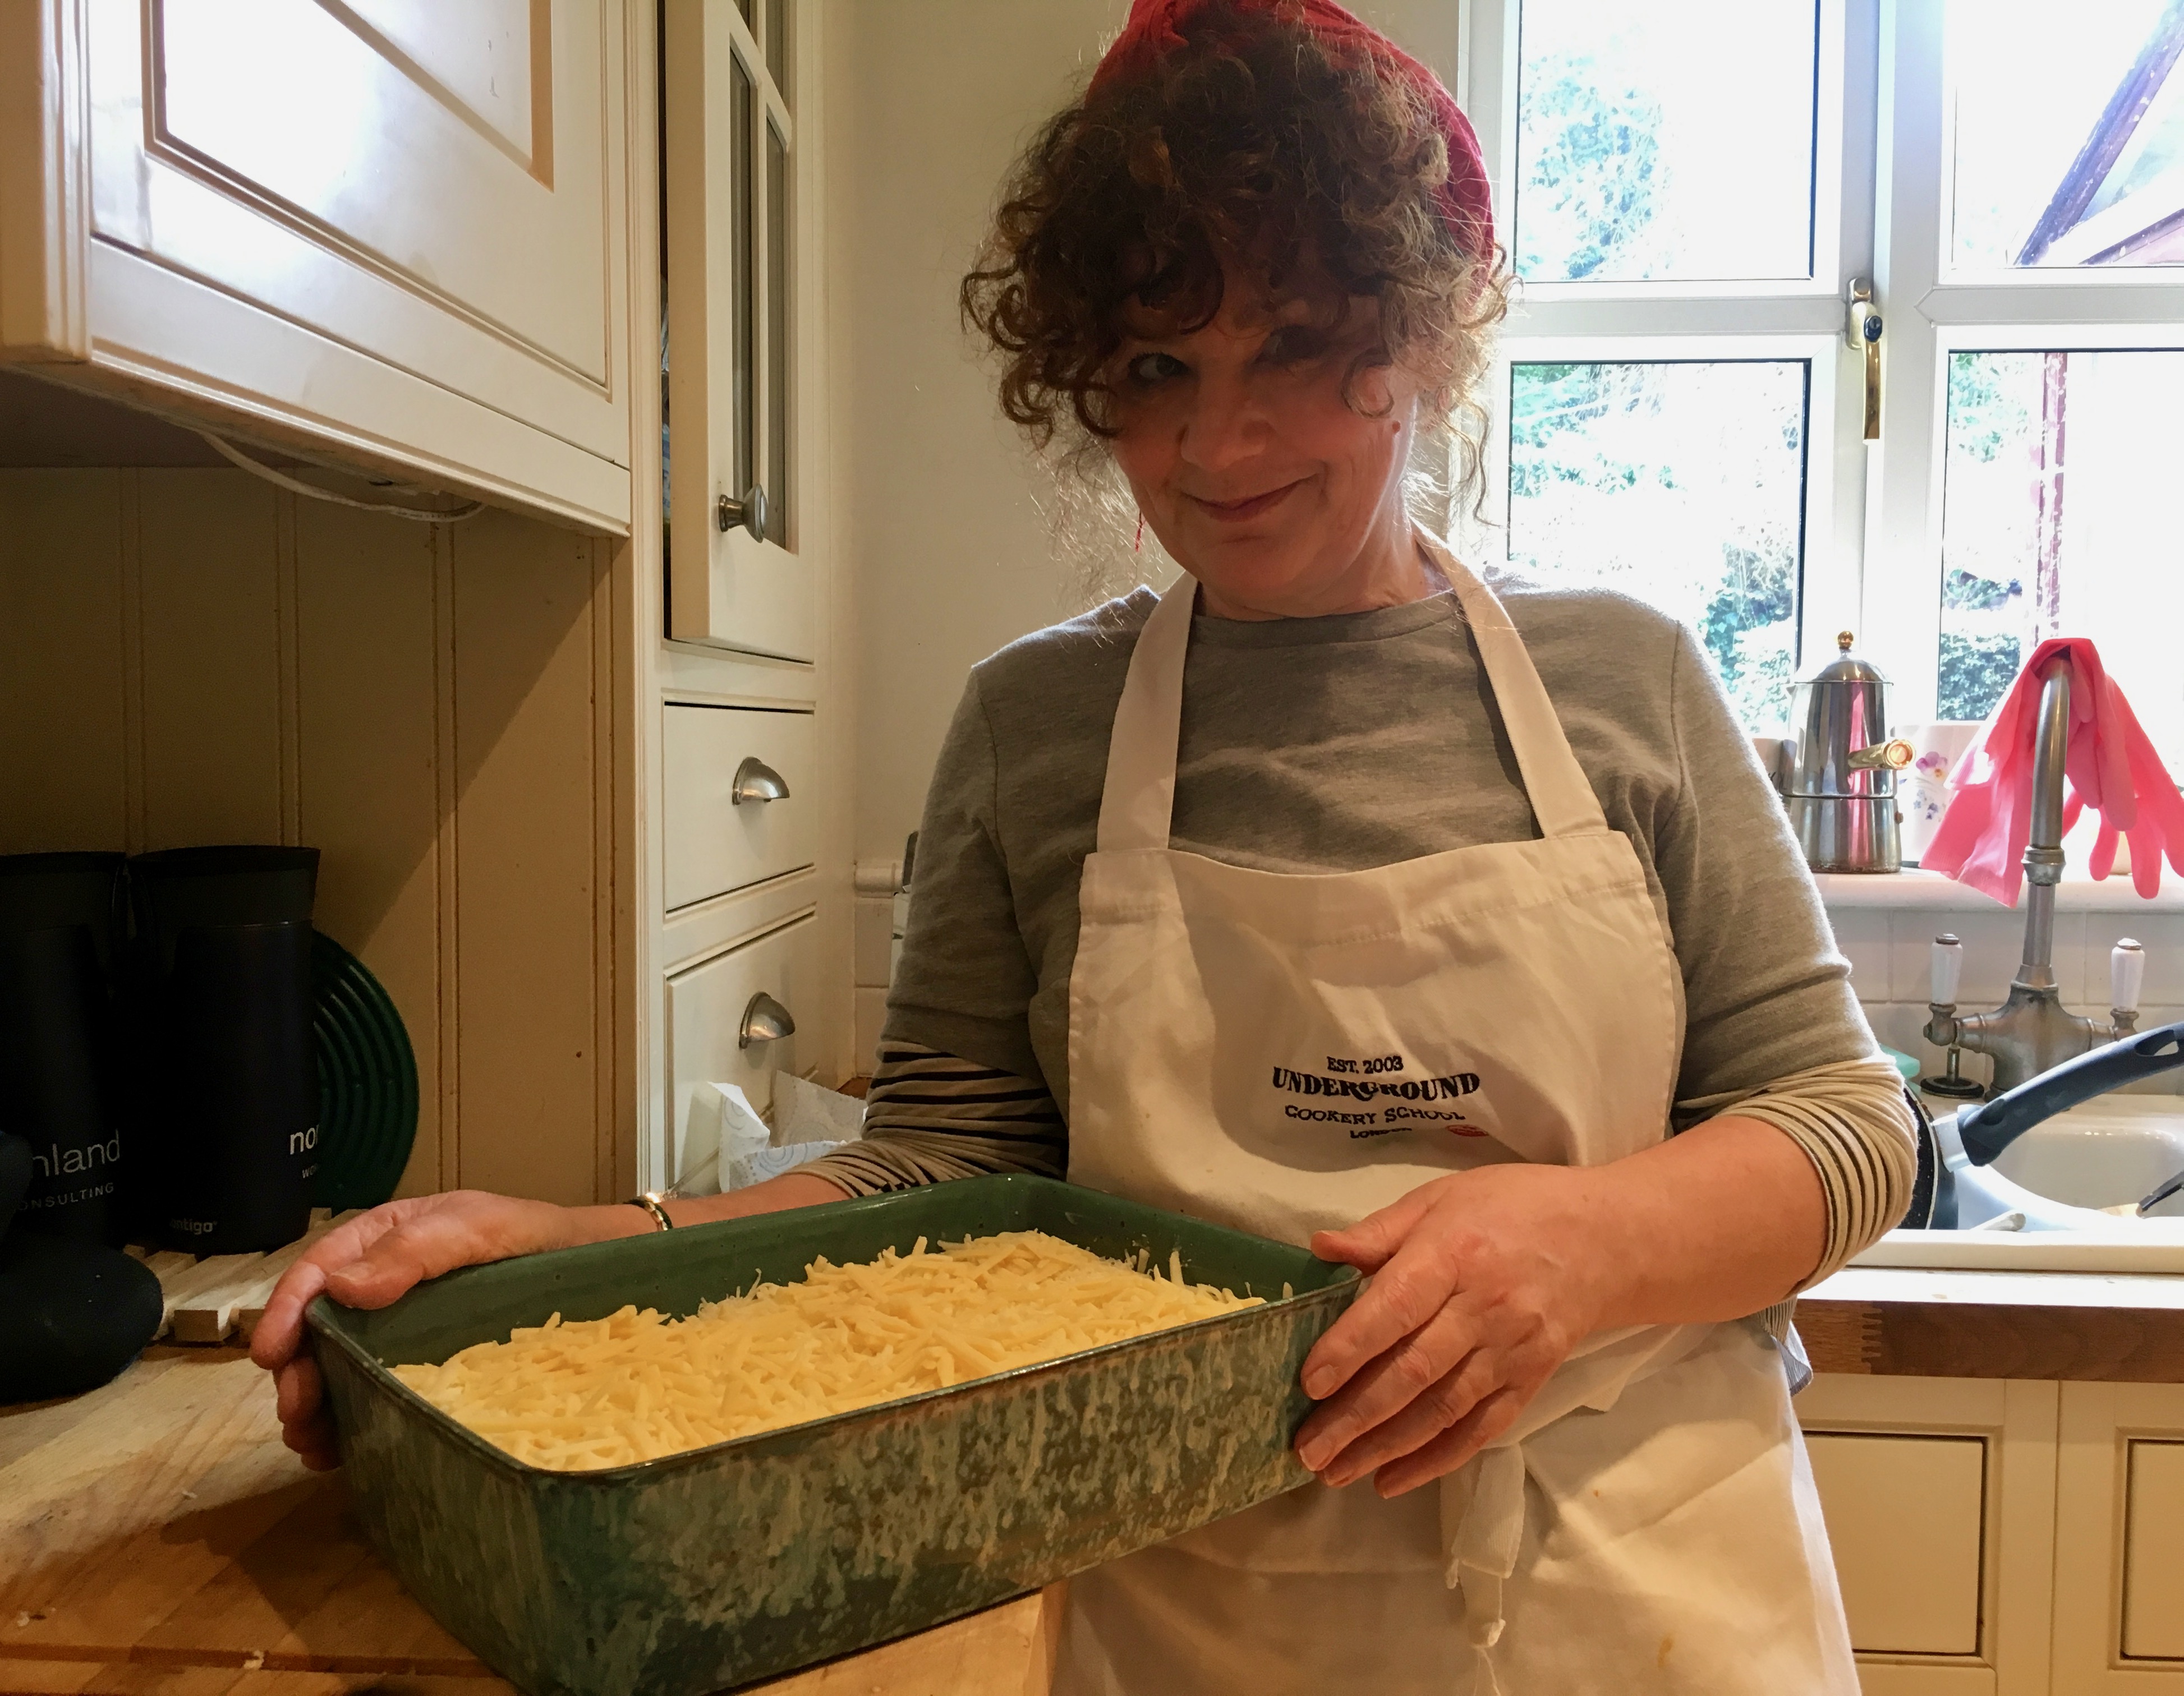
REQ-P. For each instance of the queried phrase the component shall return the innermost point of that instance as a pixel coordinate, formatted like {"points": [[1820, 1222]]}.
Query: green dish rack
{"points": [[714, 1568]]}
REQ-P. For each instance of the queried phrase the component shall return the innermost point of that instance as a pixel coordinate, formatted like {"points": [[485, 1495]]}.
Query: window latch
{"points": [[1862, 329]]}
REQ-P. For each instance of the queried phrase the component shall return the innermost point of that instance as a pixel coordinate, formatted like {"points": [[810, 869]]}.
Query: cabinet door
{"points": [[396, 224], [1939, 1494], [2120, 1540], [739, 353], [1904, 1518]]}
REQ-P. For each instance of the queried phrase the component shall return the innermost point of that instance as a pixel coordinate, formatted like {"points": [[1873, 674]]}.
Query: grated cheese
{"points": [[637, 1385]]}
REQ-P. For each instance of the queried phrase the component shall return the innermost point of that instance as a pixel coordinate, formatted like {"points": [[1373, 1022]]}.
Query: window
{"points": [[1688, 192]]}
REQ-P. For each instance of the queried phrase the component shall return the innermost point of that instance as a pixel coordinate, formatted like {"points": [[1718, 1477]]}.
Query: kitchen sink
{"points": [[2037, 1207], [2104, 1152]]}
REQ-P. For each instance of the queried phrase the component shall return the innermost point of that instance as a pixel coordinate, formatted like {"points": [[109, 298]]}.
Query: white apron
{"points": [[1287, 1054]]}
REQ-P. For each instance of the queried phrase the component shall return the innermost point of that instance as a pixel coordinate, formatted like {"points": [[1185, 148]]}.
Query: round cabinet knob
{"points": [[749, 512], [765, 1021], [757, 781]]}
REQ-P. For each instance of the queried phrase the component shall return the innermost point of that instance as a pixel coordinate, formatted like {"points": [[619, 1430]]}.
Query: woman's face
{"points": [[1278, 490]]}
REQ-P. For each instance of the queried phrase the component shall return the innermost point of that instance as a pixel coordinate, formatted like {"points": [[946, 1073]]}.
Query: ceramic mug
{"points": [[1922, 788]]}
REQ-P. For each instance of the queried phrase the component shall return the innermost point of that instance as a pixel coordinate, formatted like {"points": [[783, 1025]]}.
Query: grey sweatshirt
{"points": [[1341, 743]]}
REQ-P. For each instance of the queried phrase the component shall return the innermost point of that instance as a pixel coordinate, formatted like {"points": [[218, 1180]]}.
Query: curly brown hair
{"points": [[1249, 142]]}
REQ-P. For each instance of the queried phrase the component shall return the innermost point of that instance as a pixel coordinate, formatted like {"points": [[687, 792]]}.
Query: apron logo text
{"points": [[1448, 1089], [1364, 1080]]}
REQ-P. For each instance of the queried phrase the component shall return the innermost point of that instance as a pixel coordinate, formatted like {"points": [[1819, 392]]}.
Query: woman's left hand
{"points": [[1482, 1283]]}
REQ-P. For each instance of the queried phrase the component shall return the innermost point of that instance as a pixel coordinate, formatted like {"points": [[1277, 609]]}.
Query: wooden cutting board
{"points": [[156, 1537]]}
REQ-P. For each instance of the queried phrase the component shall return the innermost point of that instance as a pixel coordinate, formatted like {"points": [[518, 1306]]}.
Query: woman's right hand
{"points": [[376, 1257]]}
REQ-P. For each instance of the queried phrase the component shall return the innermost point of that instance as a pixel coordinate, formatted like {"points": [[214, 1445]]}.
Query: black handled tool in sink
{"points": [[1991, 1126]]}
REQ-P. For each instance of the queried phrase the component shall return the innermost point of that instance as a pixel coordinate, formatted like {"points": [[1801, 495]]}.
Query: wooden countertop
{"points": [[156, 1537], [1919, 1323]]}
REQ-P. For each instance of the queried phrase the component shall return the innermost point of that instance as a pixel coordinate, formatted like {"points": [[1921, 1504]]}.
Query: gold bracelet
{"points": [[650, 1202]]}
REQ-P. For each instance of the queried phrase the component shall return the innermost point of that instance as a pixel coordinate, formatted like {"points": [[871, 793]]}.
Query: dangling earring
{"points": [[1138, 546]]}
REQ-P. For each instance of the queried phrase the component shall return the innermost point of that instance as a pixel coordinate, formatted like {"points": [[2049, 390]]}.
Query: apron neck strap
{"points": [[1561, 795], [1138, 800], [1137, 803]]}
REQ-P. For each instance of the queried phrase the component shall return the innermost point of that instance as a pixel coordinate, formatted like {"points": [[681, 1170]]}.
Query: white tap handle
{"points": [[2127, 974], [1948, 969]]}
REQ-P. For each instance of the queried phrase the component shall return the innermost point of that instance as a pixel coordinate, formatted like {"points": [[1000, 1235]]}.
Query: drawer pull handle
{"points": [[756, 781], [765, 1021]]}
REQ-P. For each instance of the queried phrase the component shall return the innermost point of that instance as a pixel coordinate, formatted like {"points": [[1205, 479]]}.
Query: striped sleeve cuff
{"points": [[1852, 1122], [931, 1117]]}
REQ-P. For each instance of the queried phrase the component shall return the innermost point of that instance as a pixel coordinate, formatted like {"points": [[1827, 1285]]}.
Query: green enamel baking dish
{"points": [[738, 1562]]}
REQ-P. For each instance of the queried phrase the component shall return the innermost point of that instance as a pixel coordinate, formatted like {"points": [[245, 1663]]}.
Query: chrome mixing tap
{"points": [[2032, 1031]]}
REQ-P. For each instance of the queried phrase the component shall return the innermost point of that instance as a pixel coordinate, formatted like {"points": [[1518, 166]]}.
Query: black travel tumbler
{"points": [[241, 1081], [54, 1066], [225, 1084], [61, 934]]}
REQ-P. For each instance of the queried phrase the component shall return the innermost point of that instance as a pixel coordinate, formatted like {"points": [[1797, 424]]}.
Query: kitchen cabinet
{"points": [[2007, 1536], [520, 782], [2120, 1540], [741, 341], [751, 609], [390, 233], [1940, 1497]]}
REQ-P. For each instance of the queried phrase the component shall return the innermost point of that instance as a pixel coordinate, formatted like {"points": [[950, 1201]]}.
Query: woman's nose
{"points": [[1224, 426]]}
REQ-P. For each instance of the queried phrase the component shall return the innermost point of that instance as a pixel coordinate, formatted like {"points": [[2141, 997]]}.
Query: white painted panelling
{"points": [[1904, 1516], [189, 656], [2153, 1552], [2118, 1508]]}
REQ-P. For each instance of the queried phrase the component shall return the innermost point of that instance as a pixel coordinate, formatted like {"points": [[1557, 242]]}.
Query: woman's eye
{"points": [[1148, 369]]}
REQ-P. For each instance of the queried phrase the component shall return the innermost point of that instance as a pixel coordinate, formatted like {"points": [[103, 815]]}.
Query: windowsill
{"points": [[1930, 891]]}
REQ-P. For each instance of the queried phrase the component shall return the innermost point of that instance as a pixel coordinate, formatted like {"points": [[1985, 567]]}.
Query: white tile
{"points": [[872, 1014], [1862, 937], [1911, 951], [874, 922]]}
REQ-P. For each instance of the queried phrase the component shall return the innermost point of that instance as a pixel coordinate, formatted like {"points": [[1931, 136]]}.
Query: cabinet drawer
{"points": [[1905, 1517], [713, 843], [706, 1007]]}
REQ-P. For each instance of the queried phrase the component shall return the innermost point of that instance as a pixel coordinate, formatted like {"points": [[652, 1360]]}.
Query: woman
{"points": [[1330, 896]]}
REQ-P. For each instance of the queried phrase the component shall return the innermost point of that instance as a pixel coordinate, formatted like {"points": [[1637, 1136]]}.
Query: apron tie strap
{"points": [[1482, 1513]]}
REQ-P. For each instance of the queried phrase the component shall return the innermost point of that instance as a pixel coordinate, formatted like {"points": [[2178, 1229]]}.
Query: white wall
{"points": [[951, 556]]}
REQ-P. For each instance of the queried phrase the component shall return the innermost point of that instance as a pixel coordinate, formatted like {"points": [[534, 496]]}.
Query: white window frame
{"points": [[1790, 318], [1933, 311], [1873, 545]]}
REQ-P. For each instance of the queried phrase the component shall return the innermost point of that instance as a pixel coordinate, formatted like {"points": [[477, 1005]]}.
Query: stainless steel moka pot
{"points": [[1839, 766]]}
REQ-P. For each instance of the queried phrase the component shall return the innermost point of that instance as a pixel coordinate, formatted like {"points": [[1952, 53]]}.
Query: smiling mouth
{"points": [[1235, 512]]}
